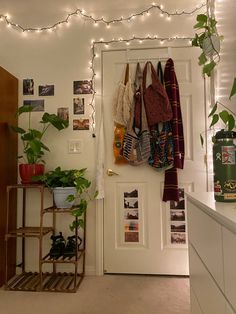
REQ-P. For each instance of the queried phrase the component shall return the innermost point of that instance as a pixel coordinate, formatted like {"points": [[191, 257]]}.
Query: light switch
{"points": [[75, 146]]}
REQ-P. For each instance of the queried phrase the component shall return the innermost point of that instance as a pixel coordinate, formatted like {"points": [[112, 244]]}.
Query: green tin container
{"points": [[224, 162]]}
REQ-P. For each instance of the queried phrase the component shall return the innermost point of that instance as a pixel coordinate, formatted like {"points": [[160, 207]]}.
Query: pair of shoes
{"points": [[70, 249], [58, 246], [61, 248]]}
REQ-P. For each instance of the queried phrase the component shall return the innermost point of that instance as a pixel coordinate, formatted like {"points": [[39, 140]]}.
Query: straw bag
{"points": [[136, 147], [121, 113]]}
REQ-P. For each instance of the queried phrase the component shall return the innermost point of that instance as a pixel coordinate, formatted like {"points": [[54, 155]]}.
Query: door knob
{"points": [[111, 173]]}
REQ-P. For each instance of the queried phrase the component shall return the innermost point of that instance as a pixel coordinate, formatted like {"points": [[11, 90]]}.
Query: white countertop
{"points": [[224, 213]]}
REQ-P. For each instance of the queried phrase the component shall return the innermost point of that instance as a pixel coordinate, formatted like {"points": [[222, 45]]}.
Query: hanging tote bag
{"points": [[136, 147], [162, 152], [161, 137], [157, 105], [123, 94]]}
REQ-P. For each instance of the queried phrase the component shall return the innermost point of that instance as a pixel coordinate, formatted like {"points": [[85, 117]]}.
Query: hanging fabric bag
{"points": [[156, 101], [122, 99], [136, 148], [162, 152]]}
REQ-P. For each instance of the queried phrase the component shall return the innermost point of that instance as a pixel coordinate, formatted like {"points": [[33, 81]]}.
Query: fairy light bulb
{"points": [[97, 21]]}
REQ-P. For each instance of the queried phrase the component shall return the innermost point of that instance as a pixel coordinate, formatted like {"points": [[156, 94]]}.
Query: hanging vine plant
{"points": [[208, 39]]}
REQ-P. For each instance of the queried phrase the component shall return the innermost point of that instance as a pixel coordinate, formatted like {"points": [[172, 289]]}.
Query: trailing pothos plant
{"points": [[208, 40], [71, 178], [223, 115]]}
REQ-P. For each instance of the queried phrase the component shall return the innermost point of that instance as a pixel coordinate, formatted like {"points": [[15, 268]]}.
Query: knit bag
{"points": [[156, 101]]}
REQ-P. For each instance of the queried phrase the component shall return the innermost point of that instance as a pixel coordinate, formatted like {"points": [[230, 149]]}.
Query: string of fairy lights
{"points": [[108, 22], [127, 41]]}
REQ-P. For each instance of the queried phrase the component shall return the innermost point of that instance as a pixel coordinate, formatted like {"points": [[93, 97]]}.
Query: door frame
{"points": [[209, 101]]}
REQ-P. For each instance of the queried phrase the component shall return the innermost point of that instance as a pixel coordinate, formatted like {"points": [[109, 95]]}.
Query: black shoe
{"points": [[58, 246], [70, 249]]}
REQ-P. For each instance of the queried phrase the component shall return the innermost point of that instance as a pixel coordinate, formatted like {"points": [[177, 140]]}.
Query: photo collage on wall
{"points": [[131, 216], [81, 88], [178, 220], [43, 90]]}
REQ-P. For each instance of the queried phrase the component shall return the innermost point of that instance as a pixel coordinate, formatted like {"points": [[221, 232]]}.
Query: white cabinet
{"points": [[211, 299], [206, 237], [212, 254], [229, 242], [195, 307], [229, 310]]}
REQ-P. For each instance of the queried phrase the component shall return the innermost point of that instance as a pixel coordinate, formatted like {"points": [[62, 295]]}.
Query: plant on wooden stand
{"points": [[32, 139], [78, 200]]}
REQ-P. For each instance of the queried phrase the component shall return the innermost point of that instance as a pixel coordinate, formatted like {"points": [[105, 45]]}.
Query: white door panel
{"points": [[137, 237]]}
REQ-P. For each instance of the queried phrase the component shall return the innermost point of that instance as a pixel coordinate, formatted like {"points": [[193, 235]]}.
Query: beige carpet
{"points": [[109, 294]]}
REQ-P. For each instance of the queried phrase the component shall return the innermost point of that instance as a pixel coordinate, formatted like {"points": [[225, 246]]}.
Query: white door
{"points": [[142, 234]]}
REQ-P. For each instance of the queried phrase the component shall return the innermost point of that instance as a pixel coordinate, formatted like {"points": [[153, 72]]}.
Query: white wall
{"points": [[63, 56]]}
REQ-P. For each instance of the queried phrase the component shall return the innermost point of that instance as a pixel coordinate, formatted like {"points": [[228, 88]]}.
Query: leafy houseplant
{"points": [[59, 178], [32, 139], [208, 40], [223, 152]]}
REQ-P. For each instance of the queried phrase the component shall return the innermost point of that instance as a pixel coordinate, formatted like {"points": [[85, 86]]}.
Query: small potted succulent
{"points": [[32, 139], [70, 189]]}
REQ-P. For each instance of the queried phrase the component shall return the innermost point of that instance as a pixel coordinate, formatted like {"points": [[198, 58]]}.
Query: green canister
{"points": [[224, 162]]}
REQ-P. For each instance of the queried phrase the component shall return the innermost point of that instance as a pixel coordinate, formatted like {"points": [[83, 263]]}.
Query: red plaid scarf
{"points": [[172, 89]]}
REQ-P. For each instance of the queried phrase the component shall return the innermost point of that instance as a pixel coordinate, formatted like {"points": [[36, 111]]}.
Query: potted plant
{"points": [[32, 139], [224, 148], [73, 187]]}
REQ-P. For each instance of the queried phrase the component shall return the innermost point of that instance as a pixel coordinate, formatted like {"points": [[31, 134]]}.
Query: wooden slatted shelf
{"points": [[44, 281], [61, 259], [29, 232], [51, 282]]}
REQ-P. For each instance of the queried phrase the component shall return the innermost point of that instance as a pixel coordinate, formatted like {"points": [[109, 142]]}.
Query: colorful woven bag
{"points": [[136, 147]]}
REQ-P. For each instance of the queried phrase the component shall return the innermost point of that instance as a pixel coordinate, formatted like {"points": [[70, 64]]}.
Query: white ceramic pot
{"points": [[60, 195], [211, 45]]}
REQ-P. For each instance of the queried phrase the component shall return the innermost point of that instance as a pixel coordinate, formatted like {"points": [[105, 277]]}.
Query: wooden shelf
{"points": [[51, 282], [29, 232], [54, 209], [60, 259], [42, 281]]}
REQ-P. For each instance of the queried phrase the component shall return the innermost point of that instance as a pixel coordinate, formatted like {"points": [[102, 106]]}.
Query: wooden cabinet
{"points": [[53, 281], [8, 164]]}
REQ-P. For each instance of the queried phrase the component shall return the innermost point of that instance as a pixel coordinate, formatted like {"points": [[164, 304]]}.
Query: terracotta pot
{"points": [[27, 171]]}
